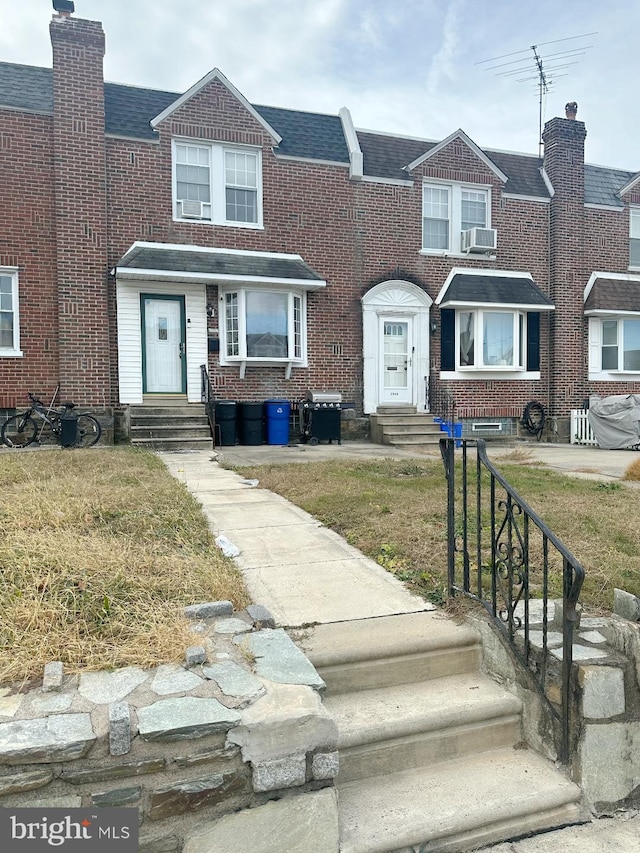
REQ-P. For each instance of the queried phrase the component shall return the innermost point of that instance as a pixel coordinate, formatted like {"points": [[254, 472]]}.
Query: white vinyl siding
{"points": [[130, 335]]}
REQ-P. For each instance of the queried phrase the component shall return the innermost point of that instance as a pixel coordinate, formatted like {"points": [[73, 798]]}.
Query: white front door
{"points": [[164, 344], [396, 368]]}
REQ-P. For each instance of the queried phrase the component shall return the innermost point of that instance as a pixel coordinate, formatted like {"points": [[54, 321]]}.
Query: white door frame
{"points": [[165, 360], [398, 395], [404, 301]]}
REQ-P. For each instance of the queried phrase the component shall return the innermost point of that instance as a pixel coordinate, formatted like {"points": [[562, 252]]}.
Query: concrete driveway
{"points": [[565, 458]]}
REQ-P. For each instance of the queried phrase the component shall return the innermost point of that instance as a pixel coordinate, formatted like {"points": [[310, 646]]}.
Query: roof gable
{"points": [[215, 74], [462, 136], [630, 185]]}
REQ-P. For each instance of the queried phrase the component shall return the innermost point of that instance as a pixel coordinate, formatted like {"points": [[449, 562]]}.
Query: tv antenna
{"points": [[548, 65]]}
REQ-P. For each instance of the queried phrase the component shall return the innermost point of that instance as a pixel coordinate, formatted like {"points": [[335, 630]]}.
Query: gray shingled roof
{"points": [[601, 185], [494, 289], [613, 294], [385, 156], [194, 261], [129, 110]]}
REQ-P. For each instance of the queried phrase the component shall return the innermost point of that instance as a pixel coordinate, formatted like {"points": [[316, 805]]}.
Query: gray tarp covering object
{"points": [[615, 421]]}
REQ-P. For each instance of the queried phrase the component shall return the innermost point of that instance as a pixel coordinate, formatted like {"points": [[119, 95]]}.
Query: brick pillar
{"points": [[80, 209], [564, 164]]}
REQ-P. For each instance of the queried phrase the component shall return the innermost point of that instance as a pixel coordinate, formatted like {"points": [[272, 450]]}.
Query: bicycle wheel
{"points": [[89, 431], [19, 431]]}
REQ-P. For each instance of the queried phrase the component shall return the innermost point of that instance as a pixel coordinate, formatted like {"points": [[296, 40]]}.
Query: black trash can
{"points": [[251, 423], [226, 422]]}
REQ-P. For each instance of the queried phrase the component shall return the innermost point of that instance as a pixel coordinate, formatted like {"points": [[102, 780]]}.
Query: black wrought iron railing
{"points": [[501, 553], [207, 398]]}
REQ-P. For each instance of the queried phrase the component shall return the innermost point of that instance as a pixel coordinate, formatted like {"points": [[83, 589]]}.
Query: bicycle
{"points": [[21, 430]]}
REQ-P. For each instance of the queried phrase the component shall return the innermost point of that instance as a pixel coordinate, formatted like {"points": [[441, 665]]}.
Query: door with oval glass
{"points": [[396, 367], [163, 344]]}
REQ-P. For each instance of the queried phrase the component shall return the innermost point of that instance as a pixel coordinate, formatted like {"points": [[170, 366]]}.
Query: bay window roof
{"points": [[168, 262], [493, 287], [612, 292]]}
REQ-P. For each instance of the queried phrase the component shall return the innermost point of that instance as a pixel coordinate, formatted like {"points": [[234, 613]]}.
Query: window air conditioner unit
{"points": [[191, 209], [479, 240]]}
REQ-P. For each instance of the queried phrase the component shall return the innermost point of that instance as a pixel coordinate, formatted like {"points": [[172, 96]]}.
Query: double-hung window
{"points": [[634, 237], [450, 209], [263, 326], [217, 183], [9, 316], [620, 348]]}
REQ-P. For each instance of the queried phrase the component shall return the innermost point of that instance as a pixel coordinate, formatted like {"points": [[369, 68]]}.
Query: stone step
{"points": [[389, 729], [400, 429], [456, 806], [405, 419], [193, 410], [405, 438], [390, 650], [187, 430], [397, 410], [170, 444]]}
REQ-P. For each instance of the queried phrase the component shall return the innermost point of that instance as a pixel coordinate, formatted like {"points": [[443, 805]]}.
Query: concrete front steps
{"points": [[405, 428], [170, 424], [431, 757]]}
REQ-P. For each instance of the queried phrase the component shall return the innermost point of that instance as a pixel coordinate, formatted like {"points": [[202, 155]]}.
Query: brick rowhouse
{"points": [[88, 170]]}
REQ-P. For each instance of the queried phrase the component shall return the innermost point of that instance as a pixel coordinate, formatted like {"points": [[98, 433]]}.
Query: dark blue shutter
{"points": [[533, 340], [447, 339]]}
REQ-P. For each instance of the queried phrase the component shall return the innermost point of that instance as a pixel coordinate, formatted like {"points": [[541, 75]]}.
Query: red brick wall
{"points": [[27, 242]]}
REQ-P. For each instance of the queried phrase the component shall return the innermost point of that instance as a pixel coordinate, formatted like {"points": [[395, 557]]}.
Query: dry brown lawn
{"points": [[100, 550]]}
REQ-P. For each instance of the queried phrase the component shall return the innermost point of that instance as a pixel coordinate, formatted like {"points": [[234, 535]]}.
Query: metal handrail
{"points": [[207, 397], [512, 547]]}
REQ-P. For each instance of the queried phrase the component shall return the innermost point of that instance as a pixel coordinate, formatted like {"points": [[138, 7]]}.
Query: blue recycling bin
{"points": [[277, 414]]}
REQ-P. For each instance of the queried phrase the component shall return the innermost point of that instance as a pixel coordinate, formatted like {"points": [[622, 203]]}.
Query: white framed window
{"points": [[450, 209], [9, 313], [263, 326], [218, 184], [620, 345], [634, 237], [490, 339]]}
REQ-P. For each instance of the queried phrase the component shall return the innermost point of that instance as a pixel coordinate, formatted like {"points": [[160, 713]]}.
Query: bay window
{"points": [[262, 325], [620, 349], [500, 337]]}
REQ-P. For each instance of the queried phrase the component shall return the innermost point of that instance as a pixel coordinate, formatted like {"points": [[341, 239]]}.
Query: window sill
{"points": [[614, 376], [485, 374], [253, 226], [242, 364], [468, 256], [11, 353]]}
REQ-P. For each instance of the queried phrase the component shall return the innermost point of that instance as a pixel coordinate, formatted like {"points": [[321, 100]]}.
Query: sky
{"points": [[407, 67]]}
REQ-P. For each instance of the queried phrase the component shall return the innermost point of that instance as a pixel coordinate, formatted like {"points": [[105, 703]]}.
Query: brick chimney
{"points": [[80, 205], [564, 165]]}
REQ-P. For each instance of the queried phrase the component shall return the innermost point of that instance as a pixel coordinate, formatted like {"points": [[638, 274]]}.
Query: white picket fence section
{"points": [[581, 432]]}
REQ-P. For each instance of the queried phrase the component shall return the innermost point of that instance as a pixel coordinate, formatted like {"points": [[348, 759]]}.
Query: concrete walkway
{"points": [[300, 570], [305, 573]]}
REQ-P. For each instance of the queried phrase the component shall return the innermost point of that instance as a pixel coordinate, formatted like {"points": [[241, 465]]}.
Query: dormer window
{"points": [[218, 184]]}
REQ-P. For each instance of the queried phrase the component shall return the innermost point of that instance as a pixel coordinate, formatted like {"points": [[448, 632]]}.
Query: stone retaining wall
{"points": [[238, 723]]}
